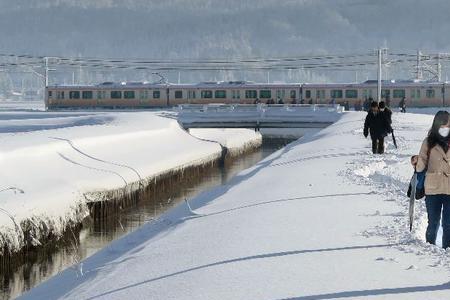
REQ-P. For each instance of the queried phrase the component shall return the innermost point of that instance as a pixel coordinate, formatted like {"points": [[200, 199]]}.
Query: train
{"points": [[124, 95]]}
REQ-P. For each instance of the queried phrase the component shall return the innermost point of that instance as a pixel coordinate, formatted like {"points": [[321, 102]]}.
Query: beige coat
{"points": [[437, 180]]}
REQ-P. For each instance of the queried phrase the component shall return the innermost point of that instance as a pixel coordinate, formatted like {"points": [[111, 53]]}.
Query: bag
{"points": [[420, 185]]}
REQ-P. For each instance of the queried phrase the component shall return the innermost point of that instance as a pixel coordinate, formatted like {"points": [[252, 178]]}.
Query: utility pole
{"points": [[418, 66], [46, 72], [439, 68], [379, 75]]}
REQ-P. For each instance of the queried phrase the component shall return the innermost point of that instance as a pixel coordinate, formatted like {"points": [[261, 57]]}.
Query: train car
{"points": [[417, 94], [145, 95], [107, 95], [150, 95]]}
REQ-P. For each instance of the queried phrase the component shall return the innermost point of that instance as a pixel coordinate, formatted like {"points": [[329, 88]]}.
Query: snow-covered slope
{"points": [[322, 218], [234, 139], [51, 163]]}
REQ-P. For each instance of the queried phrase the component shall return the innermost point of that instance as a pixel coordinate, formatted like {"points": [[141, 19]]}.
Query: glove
{"points": [[420, 193]]}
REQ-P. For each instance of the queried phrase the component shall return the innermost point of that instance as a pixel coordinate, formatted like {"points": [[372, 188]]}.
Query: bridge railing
{"points": [[256, 108]]}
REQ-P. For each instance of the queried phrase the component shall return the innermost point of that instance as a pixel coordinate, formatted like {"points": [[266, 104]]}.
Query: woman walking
{"points": [[434, 158]]}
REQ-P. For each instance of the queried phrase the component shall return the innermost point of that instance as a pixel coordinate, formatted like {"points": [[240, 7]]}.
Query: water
{"points": [[96, 235]]}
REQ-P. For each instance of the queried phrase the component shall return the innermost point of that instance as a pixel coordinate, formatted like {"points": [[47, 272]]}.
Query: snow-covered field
{"points": [[51, 163], [21, 105], [322, 218]]}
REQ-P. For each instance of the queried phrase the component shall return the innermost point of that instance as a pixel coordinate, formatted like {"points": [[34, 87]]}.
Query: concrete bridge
{"points": [[258, 116]]}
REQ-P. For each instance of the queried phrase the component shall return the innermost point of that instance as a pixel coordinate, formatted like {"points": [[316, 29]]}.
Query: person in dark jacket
{"points": [[347, 106], [377, 125], [366, 104], [387, 113], [402, 105]]}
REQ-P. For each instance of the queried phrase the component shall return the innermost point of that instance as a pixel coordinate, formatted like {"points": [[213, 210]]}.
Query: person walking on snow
{"points": [[387, 113], [378, 127], [434, 158], [402, 105]]}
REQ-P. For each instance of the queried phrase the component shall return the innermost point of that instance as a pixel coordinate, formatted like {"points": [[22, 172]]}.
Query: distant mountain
{"points": [[219, 28]]}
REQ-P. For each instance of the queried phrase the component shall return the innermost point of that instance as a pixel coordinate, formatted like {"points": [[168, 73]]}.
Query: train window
{"points": [[265, 94], [74, 95], [415, 93], [308, 94], [251, 94], [129, 94], [320, 94], [430, 93], [178, 94], [336, 93], [385, 93], [116, 95], [351, 93], [367, 94], [156, 94], [236, 94], [60, 95], [206, 94], [220, 94], [49, 94], [398, 93], [293, 94], [87, 95]]}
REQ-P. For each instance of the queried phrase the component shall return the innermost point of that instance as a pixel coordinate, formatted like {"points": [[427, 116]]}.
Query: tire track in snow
{"points": [[98, 159], [92, 168]]}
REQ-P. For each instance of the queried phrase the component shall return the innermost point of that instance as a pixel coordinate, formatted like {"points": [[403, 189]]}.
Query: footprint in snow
{"points": [[412, 267], [387, 259]]}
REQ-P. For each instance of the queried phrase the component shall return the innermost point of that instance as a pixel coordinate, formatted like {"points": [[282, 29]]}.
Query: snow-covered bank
{"points": [[52, 163], [236, 141], [322, 218]]}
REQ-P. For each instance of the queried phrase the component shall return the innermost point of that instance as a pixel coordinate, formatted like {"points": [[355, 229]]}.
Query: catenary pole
{"points": [[379, 76]]}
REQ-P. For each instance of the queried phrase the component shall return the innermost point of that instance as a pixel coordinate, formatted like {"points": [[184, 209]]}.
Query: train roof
{"points": [[249, 84], [206, 85]]}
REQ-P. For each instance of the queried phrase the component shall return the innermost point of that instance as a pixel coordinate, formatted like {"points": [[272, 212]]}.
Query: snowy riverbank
{"points": [[322, 218], [52, 163]]}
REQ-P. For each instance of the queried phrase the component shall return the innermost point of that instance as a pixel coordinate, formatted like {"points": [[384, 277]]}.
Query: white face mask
{"points": [[444, 131]]}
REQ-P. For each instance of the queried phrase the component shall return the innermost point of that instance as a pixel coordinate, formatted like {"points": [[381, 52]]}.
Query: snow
{"points": [[235, 140], [21, 105], [60, 160], [322, 218]]}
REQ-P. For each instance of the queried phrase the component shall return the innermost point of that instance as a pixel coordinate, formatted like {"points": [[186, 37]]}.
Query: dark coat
{"points": [[377, 125], [387, 114]]}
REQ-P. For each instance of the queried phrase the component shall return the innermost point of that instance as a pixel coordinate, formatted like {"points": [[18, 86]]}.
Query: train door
{"points": [[386, 96], [236, 96]]}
